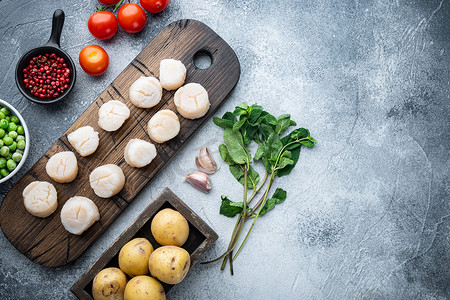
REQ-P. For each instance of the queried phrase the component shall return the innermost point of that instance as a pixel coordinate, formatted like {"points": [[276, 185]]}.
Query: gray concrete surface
{"points": [[368, 211]]}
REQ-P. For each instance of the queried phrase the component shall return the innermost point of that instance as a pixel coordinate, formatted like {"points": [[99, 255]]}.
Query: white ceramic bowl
{"points": [[27, 139]]}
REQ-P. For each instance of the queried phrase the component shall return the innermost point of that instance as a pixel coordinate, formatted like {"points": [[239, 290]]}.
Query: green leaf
{"points": [[229, 116], [230, 208], [223, 150], [266, 130], [239, 124], [249, 133], [269, 119], [226, 121], [307, 143], [243, 106], [283, 123], [222, 123], [252, 176], [273, 146], [235, 145], [255, 112], [270, 149], [278, 197], [260, 152], [240, 109], [284, 161], [295, 155], [297, 134], [237, 170]]}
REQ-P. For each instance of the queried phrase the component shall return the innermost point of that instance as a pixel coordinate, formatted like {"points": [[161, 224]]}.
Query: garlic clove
{"points": [[200, 181], [204, 161]]}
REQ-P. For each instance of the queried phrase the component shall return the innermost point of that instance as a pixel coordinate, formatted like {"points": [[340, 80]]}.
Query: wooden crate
{"points": [[201, 238]]}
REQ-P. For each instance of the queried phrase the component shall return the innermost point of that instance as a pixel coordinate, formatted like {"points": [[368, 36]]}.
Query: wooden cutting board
{"points": [[45, 241]]}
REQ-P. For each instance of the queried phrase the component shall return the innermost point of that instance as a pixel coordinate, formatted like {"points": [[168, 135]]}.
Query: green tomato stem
{"points": [[105, 6], [118, 5]]}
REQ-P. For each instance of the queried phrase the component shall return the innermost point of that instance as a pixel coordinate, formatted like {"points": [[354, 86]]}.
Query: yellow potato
{"points": [[109, 284], [170, 228], [169, 264], [144, 288], [134, 255]]}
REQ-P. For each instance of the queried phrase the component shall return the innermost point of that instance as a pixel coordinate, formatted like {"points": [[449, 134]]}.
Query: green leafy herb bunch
{"points": [[279, 155]]}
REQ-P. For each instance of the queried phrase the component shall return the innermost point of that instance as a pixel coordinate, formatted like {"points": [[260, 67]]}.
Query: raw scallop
{"points": [[62, 167], [85, 140], [78, 214], [40, 198], [107, 180]]}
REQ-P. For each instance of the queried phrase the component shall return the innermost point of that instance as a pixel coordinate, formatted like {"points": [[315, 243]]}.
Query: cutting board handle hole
{"points": [[203, 59]]}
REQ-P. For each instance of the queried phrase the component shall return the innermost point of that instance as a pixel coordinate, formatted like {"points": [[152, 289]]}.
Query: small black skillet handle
{"points": [[57, 26]]}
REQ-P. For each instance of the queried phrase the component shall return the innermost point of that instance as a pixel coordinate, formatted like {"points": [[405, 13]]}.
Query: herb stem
{"points": [[238, 227], [272, 176], [255, 191], [284, 147]]}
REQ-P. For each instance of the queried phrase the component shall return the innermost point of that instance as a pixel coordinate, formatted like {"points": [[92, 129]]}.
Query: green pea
{"points": [[2, 115], [20, 137], [19, 151], [21, 144], [20, 130], [4, 151], [17, 157], [11, 165], [13, 134], [12, 126], [12, 147], [2, 163], [2, 143], [15, 120], [4, 172], [5, 111], [8, 140], [2, 133], [4, 124], [8, 119]]}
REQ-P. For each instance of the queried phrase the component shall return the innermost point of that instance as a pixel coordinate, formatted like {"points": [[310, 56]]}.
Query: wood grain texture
{"points": [[45, 241], [201, 238]]}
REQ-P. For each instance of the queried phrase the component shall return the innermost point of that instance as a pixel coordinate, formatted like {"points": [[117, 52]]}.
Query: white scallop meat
{"points": [[163, 126], [145, 92], [172, 74], [112, 115], [62, 167], [40, 198], [192, 101], [107, 180], [139, 153], [85, 140], [78, 214]]}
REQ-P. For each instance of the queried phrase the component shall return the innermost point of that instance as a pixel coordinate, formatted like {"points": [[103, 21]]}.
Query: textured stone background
{"points": [[368, 211]]}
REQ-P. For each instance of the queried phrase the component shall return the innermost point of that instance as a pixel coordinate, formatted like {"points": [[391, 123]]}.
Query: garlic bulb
{"points": [[200, 181], [204, 161]]}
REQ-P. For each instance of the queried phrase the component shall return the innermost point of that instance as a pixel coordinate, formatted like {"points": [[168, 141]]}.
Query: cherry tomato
{"points": [[154, 6], [132, 18], [108, 2], [103, 25], [94, 60]]}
